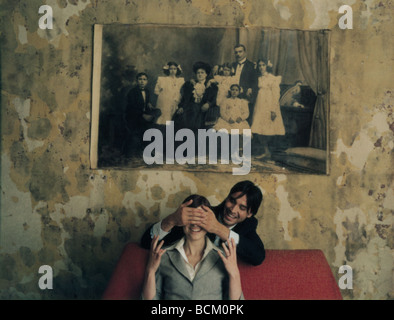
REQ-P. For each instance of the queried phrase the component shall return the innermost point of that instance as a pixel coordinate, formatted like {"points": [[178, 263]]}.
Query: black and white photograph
{"points": [[210, 99]]}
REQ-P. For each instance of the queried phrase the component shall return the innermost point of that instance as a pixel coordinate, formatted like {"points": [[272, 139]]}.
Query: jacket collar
{"points": [[210, 258]]}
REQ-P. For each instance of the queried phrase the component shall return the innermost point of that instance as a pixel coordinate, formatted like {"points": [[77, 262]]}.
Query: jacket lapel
{"points": [[177, 261], [208, 263]]}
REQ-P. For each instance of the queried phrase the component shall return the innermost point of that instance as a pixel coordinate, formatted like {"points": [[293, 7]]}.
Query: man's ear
{"points": [[249, 214]]}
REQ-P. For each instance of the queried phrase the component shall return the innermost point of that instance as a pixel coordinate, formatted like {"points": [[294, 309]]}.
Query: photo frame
{"points": [[295, 95]]}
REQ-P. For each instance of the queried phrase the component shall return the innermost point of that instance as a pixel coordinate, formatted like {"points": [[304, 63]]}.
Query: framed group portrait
{"points": [[220, 99]]}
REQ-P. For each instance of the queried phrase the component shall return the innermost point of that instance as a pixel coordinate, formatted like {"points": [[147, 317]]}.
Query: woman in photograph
{"points": [[168, 91], [267, 118], [193, 268], [197, 108]]}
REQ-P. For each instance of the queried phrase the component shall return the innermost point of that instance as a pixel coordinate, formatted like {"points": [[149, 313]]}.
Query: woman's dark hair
{"points": [[168, 65], [202, 65], [254, 196], [269, 69], [197, 201]]}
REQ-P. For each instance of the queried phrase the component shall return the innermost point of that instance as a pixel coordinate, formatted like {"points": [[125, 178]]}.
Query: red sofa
{"points": [[284, 275]]}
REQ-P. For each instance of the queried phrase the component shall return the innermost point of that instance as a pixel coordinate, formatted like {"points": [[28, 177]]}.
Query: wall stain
{"points": [[55, 210]]}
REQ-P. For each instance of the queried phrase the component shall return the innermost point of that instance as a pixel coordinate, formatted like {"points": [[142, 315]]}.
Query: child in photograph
{"points": [[168, 91], [267, 118], [233, 111], [233, 114], [224, 79]]}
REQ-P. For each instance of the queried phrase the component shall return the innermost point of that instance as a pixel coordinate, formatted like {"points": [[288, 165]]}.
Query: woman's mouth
{"points": [[195, 228]]}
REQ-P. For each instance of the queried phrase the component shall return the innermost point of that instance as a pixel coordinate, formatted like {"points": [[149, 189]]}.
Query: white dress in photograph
{"points": [[233, 108], [224, 84], [168, 91], [267, 101]]}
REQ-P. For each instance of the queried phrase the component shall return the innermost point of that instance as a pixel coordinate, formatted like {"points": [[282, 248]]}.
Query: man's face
{"points": [[235, 209], [142, 82], [239, 53]]}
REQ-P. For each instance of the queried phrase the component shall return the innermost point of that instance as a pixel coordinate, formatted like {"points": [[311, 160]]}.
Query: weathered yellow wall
{"points": [[56, 211]]}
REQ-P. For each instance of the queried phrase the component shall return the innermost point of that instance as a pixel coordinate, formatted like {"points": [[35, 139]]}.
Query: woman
{"points": [[198, 109], [267, 118], [193, 268]]}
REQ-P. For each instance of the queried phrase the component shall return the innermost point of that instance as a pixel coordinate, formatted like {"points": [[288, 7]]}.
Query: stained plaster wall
{"points": [[56, 211]]}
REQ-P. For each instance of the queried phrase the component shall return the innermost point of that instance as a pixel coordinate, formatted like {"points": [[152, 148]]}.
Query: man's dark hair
{"points": [[239, 45], [141, 74], [254, 196]]}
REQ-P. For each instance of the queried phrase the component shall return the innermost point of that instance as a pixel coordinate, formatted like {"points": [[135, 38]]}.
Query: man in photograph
{"points": [[245, 71], [139, 115]]}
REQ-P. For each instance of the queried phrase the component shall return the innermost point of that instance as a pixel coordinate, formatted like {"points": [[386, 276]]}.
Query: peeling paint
{"points": [[322, 10], [55, 210], [284, 11], [61, 17], [286, 213], [14, 216]]}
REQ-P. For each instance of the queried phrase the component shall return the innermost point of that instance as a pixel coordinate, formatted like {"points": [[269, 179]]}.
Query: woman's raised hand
{"points": [[155, 254], [230, 258]]}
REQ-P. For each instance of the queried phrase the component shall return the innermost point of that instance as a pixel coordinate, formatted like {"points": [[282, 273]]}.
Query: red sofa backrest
{"points": [[284, 275]]}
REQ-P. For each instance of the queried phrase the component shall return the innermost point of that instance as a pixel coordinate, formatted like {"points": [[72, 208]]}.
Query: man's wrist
{"points": [[223, 232], [167, 224]]}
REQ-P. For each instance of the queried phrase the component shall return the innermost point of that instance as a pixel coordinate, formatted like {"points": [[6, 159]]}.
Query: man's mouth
{"points": [[230, 215]]}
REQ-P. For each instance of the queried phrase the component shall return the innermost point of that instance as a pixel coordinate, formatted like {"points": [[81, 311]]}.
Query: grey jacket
{"points": [[173, 282]]}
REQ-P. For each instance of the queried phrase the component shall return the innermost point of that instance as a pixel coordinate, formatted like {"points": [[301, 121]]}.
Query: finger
{"points": [[159, 246], [225, 249], [186, 204], [234, 245], [207, 209], [162, 252], [221, 256], [154, 242]]}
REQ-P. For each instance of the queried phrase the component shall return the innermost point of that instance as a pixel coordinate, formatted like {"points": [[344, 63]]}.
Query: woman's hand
{"points": [[155, 254], [205, 107], [230, 263], [230, 260]]}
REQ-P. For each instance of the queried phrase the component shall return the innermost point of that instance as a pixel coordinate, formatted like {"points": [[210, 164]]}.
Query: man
{"points": [[232, 219], [139, 115], [245, 70]]}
